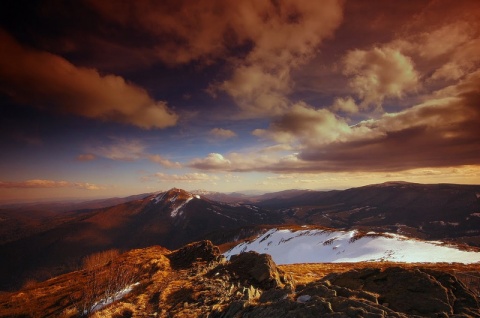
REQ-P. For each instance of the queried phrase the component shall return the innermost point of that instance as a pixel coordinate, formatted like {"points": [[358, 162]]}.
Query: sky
{"points": [[102, 98]]}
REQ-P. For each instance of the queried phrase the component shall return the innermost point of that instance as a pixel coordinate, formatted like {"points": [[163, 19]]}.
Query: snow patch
{"points": [[316, 246], [177, 210], [107, 301], [158, 197]]}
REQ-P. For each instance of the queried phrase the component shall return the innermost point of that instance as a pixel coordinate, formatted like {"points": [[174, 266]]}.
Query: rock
{"points": [[259, 269], [316, 289], [203, 251], [273, 295], [303, 298], [408, 291], [461, 299], [359, 294], [251, 293]]}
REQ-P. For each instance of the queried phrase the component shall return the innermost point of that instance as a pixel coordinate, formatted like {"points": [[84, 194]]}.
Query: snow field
{"points": [[323, 246]]}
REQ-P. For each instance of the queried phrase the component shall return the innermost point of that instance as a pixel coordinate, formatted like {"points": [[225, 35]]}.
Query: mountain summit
{"points": [[174, 200]]}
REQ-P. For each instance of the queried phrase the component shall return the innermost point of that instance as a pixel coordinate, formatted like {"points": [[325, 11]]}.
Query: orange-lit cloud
{"points": [[222, 133], [121, 149], [276, 36], [86, 157], [441, 132], [48, 184], [164, 161], [49, 81], [345, 105], [380, 73], [286, 39], [305, 124]]}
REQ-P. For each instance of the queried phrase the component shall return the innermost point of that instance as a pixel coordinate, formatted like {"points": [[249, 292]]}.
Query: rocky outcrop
{"points": [[413, 292], [203, 251], [256, 269], [196, 281], [394, 292]]}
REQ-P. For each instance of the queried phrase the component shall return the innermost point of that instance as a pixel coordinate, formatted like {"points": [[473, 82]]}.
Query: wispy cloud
{"points": [[187, 178], [163, 161], [122, 149], [48, 184], [86, 157]]}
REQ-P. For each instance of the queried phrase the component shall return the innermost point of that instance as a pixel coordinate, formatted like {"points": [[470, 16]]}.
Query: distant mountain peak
{"points": [[176, 199], [392, 184]]}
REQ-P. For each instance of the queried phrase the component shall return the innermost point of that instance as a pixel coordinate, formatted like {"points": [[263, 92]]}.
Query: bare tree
{"points": [[105, 276]]}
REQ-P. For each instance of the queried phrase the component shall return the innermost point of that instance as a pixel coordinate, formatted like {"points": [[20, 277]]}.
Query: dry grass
{"points": [[56, 297], [162, 288], [305, 273]]}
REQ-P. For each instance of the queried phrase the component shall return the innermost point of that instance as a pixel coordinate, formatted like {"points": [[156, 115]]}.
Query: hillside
{"points": [[170, 219], [196, 281], [42, 243], [427, 211]]}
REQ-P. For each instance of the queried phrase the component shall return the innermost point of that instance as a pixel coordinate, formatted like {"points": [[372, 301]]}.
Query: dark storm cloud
{"points": [[50, 82]]}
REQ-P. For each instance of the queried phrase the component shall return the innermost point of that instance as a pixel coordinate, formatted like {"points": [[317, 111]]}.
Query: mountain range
{"points": [[43, 242]]}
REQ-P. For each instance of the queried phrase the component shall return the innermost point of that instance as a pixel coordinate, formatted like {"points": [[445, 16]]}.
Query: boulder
{"points": [[203, 251], [258, 270]]}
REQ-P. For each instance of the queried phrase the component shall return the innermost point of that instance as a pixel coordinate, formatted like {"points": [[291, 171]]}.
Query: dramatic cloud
{"points": [[222, 133], [378, 74], [284, 37], [444, 40], [307, 125], [464, 60], [50, 82], [48, 184], [274, 38], [345, 105], [441, 132]]}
